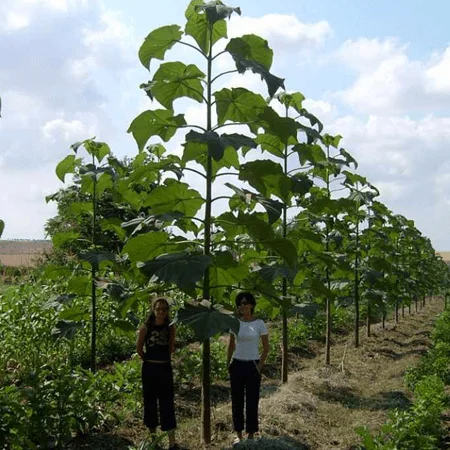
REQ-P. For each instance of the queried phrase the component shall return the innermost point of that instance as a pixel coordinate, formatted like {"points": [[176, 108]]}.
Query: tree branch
{"points": [[192, 46], [223, 73]]}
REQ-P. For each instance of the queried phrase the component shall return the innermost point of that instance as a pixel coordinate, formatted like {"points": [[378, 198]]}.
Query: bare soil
{"points": [[320, 407], [22, 252]]}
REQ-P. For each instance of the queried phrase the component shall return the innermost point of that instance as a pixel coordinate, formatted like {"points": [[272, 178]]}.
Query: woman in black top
{"points": [[158, 337]]}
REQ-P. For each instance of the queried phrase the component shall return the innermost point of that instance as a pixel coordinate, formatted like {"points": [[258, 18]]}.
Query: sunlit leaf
{"points": [[158, 42], [216, 10], [175, 80], [238, 105], [159, 122], [67, 165], [174, 196], [144, 247], [198, 27], [293, 100]]}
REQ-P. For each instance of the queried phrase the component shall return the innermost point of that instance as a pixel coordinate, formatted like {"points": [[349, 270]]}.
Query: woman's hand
{"points": [[260, 367]]}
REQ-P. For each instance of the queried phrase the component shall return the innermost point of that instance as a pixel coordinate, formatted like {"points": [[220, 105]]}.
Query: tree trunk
{"points": [[284, 361], [396, 311], [357, 288], [206, 356], [93, 273], [206, 392], [369, 321]]}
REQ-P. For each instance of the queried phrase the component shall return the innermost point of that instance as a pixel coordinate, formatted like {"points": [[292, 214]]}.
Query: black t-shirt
{"points": [[157, 342]]}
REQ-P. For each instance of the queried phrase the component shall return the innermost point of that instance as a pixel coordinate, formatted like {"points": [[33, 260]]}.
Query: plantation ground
{"points": [[319, 408], [22, 253]]}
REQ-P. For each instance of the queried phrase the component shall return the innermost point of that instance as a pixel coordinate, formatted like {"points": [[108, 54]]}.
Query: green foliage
{"points": [[188, 362], [52, 403]]}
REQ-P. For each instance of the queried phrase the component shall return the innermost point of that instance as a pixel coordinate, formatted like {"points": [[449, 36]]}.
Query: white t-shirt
{"points": [[247, 340]]}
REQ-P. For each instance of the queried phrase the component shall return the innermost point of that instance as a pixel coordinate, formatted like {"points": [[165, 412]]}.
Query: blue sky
{"points": [[376, 72]]}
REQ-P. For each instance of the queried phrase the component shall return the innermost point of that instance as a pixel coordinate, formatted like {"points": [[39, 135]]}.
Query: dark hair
{"points": [[152, 316], [247, 296]]}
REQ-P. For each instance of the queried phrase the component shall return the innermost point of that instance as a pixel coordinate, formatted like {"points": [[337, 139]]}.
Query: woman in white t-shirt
{"points": [[245, 365]]}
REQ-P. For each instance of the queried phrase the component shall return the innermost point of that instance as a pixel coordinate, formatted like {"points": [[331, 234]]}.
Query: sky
{"points": [[377, 73]]}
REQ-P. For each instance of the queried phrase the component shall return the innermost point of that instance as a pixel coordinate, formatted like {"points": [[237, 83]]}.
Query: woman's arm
{"points": [[172, 333], [231, 347], [140, 341], [265, 351]]}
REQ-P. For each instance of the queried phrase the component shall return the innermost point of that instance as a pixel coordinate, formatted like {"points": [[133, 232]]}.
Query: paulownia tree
{"points": [[202, 262]]}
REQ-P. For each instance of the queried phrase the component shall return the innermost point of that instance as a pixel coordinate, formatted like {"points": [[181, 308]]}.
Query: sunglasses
{"points": [[161, 309], [244, 302]]}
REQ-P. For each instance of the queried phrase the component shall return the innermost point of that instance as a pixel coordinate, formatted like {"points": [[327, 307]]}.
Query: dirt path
{"points": [[320, 408]]}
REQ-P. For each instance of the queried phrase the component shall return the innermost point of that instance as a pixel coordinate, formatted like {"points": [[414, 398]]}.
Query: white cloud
{"points": [[283, 31], [390, 82], [66, 131], [54, 92], [16, 15], [365, 55]]}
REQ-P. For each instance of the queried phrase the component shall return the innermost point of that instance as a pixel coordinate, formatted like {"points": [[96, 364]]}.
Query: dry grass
{"points": [[319, 408]]}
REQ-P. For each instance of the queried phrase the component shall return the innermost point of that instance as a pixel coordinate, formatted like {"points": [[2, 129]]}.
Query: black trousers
{"points": [[157, 383], [245, 385]]}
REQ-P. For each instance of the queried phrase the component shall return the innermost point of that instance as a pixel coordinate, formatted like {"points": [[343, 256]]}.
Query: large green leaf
{"points": [[158, 42], [270, 273], [97, 149], [197, 151], [199, 27], [67, 165], [217, 144], [174, 196], [66, 329], [310, 152], [207, 320], [308, 310], [160, 122], [53, 272], [313, 120], [80, 285], [265, 176], [293, 100], [216, 10], [273, 207], [64, 237], [175, 80], [239, 105], [75, 313], [94, 258], [251, 52], [2, 227], [154, 221], [144, 247], [225, 273], [283, 127], [183, 269], [272, 144], [284, 248], [251, 48]]}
